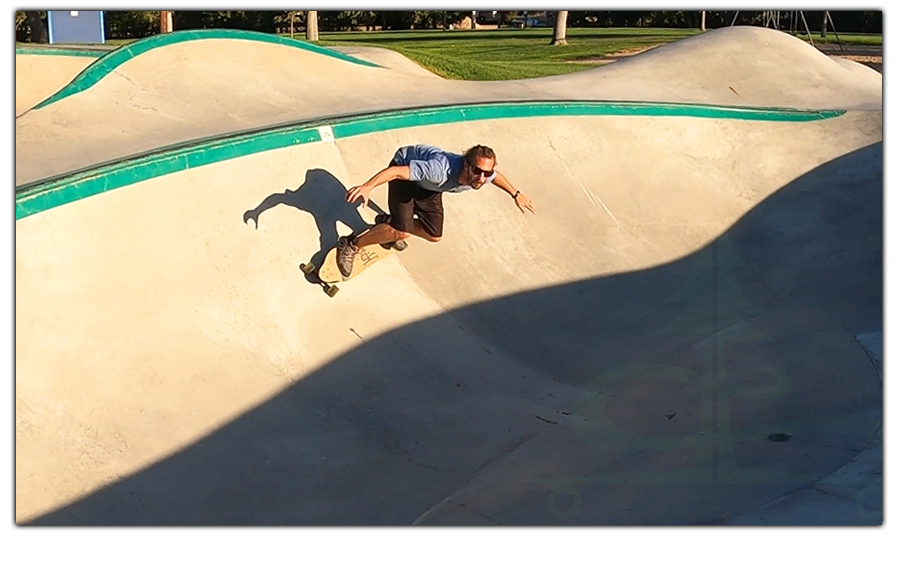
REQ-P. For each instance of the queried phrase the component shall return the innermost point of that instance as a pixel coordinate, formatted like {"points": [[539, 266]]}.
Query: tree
{"points": [[134, 24], [165, 21], [397, 19], [38, 29], [429, 19], [559, 30], [312, 26], [703, 21]]}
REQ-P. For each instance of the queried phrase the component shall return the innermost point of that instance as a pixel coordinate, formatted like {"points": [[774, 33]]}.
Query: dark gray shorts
{"points": [[406, 198]]}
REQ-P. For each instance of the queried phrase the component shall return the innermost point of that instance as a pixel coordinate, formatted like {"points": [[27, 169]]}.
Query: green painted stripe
{"points": [[67, 52], [109, 62], [458, 113], [42, 195]]}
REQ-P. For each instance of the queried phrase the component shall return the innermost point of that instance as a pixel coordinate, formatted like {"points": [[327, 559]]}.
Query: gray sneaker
{"points": [[399, 245], [346, 253]]}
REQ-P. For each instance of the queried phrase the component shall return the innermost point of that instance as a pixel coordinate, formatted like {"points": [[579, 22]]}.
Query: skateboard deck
{"points": [[329, 274]]}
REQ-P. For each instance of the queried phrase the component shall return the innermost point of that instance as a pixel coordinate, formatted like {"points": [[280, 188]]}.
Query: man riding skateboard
{"points": [[417, 177]]}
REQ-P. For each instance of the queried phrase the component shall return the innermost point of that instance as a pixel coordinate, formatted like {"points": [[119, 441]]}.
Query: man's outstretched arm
{"points": [[384, 175], [523, 202]]}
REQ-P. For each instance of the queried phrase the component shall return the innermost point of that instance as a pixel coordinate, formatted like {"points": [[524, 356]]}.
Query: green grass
{"points": [[845, 38], [506, 53]]}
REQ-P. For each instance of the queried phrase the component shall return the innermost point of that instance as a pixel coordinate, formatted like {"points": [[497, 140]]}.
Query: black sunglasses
{"points": [[477, 170]]}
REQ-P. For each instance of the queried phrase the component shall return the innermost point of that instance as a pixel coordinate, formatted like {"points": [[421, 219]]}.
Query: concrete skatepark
{"points": [[687, 333]]}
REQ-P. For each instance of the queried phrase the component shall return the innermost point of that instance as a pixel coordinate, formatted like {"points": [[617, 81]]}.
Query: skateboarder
{"points": [[417, 177]]}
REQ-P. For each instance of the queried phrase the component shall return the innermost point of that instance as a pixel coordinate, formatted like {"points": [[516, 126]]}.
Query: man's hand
{"points": [[524, 203], [361, 191]]}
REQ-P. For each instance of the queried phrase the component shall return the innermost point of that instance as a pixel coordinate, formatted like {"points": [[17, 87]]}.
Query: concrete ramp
{"points": [[671, 340], [40, 73]]}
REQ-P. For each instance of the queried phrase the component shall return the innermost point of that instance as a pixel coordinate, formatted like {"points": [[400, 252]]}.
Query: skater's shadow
{"points": [[323, 196]]}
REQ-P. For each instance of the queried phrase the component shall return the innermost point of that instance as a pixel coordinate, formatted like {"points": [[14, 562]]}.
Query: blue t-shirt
{"points": [[432, 168]]}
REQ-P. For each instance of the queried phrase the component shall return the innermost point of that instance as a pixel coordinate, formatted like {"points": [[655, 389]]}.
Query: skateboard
{"points": [[329, 274]]}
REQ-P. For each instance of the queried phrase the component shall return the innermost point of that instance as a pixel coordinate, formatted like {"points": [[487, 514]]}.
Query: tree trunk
{"points": [[38, 29], [703, 21], [312, 26], [165, 21], [559, 30], [824, 24]]}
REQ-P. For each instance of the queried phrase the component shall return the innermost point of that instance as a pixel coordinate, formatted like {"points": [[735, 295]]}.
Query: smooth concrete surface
{"points": [[686, 333], [853, 494], [38, 76], [41, 73]]}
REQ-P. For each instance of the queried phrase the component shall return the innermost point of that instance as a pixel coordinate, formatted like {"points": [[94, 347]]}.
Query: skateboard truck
{"points": [[310, 270]]}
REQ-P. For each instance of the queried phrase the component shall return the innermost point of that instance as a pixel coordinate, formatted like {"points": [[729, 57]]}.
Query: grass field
{"points": [[507, 53], [504, 54]]}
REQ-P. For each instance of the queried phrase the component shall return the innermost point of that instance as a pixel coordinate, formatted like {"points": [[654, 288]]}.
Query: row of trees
{"points": [[139, 24], [845, 21], [31, 25]]}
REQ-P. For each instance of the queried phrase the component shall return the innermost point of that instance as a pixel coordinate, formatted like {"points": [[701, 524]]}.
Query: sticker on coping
{"points": [[326, 134]]}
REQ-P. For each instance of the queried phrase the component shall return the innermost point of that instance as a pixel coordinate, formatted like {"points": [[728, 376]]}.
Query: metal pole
{"points": [[806, 26], [833, 29]]}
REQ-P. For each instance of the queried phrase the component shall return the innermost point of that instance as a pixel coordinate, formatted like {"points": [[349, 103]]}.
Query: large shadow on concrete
{"points": [[675, 395]]}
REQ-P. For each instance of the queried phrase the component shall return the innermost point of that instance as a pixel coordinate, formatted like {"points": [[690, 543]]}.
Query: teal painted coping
{"points": [[43, 195], [69, 52], [107, 63]]}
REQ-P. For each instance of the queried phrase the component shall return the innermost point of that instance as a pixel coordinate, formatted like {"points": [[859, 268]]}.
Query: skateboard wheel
{"points": [[307, 268], [400, 245], [331, 290]]}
